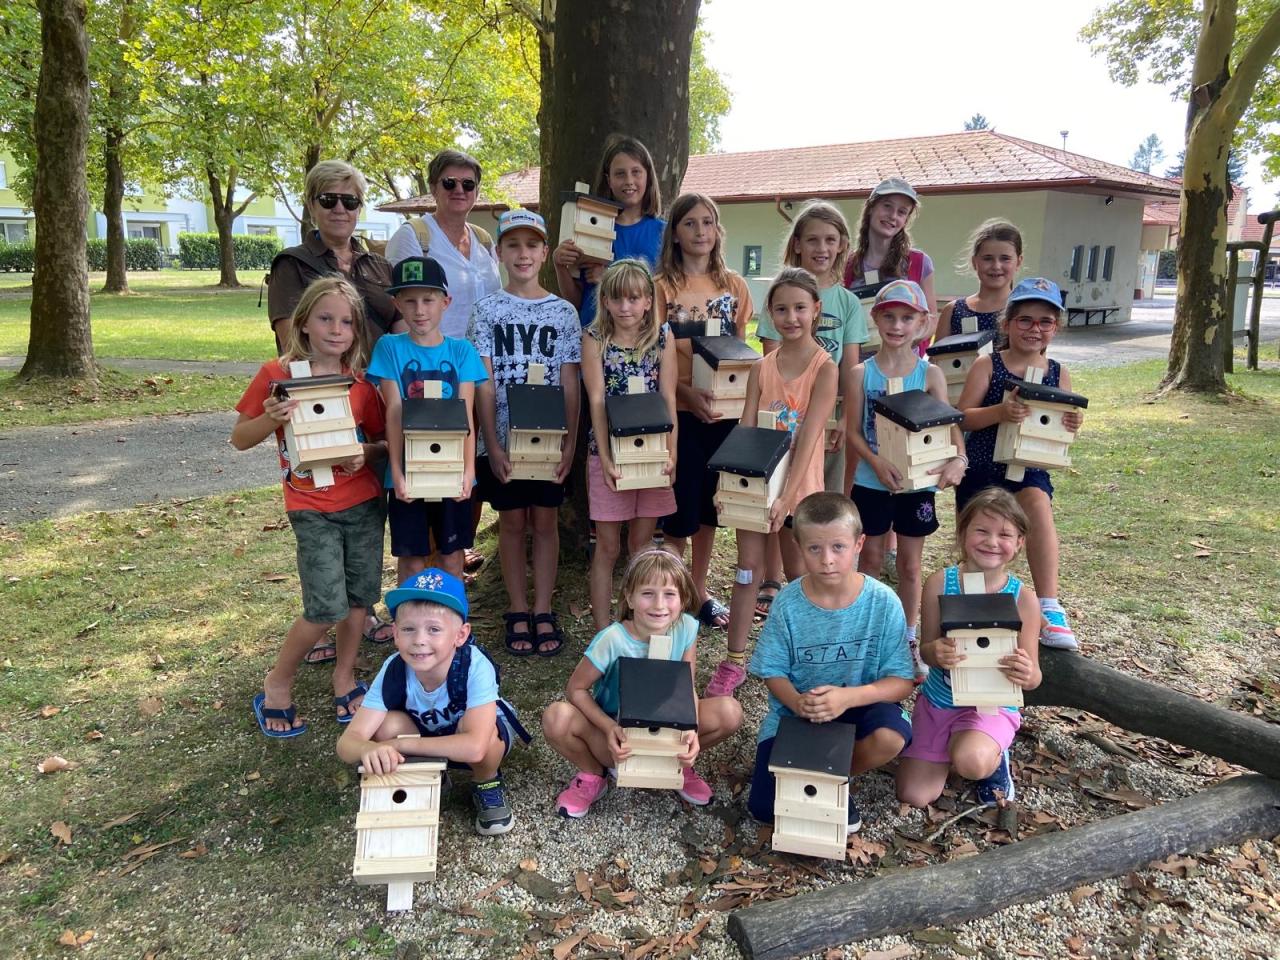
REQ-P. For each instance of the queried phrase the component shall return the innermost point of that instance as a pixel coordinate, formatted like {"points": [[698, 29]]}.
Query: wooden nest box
{"points": [[954, 355], [588, 221], [913, 432], [435, 438], [656, 706], [752, 463], [985, 628], [1040, 440], [398, 828], [638, 426], [721, 364], [536, 426], [810, 763], [321, 431]]}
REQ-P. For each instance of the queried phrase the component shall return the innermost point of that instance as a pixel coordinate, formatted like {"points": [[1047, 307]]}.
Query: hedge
{"points": [[141, 253], [199, 251]]}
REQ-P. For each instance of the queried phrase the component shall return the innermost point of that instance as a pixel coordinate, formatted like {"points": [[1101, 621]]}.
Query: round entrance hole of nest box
{"points": [[984, 642], [535, 439], [928, 438], [399, 797], [654, 730], [434, 448], [1044, 419], [810, 790], [957, 363], [593, 220], [318, 408], [733, 378], [638, 441], [744, 483]]}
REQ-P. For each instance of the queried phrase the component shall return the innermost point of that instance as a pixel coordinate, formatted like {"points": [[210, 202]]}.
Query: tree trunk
{"points": [[224, 216], [113, 210], [977, 886], [612, 66], [310, 158], [61, 341]]}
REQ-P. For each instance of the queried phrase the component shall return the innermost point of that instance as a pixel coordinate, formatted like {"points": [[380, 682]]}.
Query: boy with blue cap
{"points": [[437, 696]]}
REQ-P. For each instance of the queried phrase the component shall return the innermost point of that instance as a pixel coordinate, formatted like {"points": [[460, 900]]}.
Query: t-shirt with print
{"points": [[398, 358], [641, 240], [687, 308], [812, 646], [300, 490], [843, 322], [431, 707], [514, 332], [613, 642]]}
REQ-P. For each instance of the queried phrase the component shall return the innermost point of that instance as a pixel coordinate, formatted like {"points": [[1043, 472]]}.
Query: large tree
{"points": [[1149, 153], [1231, 91], [61, 342]]}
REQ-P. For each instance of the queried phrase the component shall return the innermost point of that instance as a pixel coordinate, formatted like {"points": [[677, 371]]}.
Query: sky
{"points": [[810, 72]]}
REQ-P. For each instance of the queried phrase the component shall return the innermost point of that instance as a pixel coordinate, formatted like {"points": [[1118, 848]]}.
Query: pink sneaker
{"points": [[696, 790], [727, 678], [583, 790]]}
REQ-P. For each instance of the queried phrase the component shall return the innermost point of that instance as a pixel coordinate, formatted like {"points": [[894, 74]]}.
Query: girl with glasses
{"points": [[1029, 323]]}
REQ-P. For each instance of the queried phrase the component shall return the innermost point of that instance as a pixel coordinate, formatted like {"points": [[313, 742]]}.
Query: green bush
{"points": [[18, 257], [199, 251], [140, 253]]}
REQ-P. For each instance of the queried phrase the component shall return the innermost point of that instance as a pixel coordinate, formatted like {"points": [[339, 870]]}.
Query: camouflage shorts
{"points": [[339, 559]]}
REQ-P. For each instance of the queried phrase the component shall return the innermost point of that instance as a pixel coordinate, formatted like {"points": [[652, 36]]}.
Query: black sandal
{"points": [[512, 638], [555, 637], [765, 601]]}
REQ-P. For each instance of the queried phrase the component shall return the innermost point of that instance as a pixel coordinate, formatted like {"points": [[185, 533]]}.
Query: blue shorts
{"points": [[1037, 479], [866, 719], [505, 734], [416, 525]]}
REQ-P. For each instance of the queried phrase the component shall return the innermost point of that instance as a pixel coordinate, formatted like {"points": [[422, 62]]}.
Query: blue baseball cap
{"points": [[905, 292], [1037, 288], [434, 586]]}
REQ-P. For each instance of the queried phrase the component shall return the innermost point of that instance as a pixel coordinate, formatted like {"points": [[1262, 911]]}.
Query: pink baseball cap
{"points": [[906, 292]]}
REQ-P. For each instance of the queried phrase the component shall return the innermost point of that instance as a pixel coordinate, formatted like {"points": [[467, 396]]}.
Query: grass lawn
{"points": [[132, 643], [120, 393], [169, 314]]}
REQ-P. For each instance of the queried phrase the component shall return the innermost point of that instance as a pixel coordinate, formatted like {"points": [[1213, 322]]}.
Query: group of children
{"points": [[836, 645]]}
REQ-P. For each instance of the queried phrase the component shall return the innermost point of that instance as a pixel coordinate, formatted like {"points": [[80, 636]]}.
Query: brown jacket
{"points": [[370, 274]]}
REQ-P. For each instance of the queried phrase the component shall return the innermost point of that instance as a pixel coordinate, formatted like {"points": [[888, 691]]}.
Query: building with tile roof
{"points": [[1081, 218]]}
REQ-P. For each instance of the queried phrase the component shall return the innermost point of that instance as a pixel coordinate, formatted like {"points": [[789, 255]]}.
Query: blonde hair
{"points": [[671, 257], [822, 212], [993, 230], [996, 501], [819, 509], [328, 173], [655, 566], [625, 278], [297, 345], [897, 259], [616, 143]]}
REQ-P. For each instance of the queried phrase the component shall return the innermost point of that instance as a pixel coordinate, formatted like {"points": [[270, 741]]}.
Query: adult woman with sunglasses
{"points": [[467, 256], [333, 193]]}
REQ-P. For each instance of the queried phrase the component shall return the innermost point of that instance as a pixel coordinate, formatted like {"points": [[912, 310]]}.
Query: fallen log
{"points": [[1070, 680], [976, 886]]}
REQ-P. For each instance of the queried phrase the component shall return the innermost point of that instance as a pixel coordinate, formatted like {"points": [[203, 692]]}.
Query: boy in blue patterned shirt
{"points": [[833, 649]]}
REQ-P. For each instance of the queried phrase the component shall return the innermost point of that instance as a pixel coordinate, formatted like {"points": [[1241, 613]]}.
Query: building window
{"points": [[4, 177], [1108, 263], [1092, 270], [1077, 261], [13, 231], [261, 230], [146, 231], [752, 261]]}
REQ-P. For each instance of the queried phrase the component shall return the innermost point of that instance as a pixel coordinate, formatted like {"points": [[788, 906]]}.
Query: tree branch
{"points": [[1239, 89]]}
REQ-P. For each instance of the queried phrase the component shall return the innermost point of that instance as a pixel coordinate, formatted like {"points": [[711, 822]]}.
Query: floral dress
{"points": [[622, 363]]}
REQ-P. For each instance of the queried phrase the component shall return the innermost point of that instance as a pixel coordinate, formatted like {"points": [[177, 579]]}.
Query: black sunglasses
{"points": [[330, 200], [450, 182]]}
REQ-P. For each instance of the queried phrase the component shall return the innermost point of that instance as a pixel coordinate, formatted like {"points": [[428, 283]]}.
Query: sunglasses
{"points": [[450, 182], [1029, 323], [330, 200]]}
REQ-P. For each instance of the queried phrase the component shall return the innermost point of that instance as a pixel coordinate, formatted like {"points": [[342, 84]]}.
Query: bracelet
{"points": [[961, 456]]}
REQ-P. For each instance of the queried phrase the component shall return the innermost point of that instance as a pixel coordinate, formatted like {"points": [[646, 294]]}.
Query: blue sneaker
{"points": [[997, 786], [1055, 631], [493, 813]]}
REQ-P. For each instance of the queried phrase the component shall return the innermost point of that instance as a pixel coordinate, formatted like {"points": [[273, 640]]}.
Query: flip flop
{"points": [[765, 601], [359, 690], [265, 713], [711, 612], [381, 632], [472, 560], [555, 637], [323, 652]]}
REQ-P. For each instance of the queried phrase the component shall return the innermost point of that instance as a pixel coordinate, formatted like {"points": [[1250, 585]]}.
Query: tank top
{"points": [[874, 385], [620, 363], [960, 310], [980, 445], [937, 685], [789, 399]]}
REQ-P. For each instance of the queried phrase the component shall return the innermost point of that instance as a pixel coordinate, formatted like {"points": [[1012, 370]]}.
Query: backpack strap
{"points": [[456, 686], [482, 235], [915, 265], [422, 232], [395, 681]]}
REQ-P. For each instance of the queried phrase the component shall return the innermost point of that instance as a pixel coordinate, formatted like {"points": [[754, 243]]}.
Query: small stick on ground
{"points": [[951, 820]]}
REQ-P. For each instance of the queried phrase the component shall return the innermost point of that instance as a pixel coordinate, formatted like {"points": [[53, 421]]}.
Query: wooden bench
{"points": [[1101, 314]]}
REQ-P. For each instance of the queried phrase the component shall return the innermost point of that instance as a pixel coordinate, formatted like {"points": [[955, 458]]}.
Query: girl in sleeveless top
{"points": [[995, 256]]}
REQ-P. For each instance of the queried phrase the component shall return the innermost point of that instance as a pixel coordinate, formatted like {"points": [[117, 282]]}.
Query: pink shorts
{"points": [[610, 506], [932, 728]]}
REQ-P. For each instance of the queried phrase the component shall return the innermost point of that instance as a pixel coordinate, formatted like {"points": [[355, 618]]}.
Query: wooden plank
{"points": [[374, 819]]}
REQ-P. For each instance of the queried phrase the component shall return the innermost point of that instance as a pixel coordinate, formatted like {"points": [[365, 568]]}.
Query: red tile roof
{"points": [[1165, 213], [979, 160]]}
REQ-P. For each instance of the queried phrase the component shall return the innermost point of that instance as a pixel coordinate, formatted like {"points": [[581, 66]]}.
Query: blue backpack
{"points": [[395, 688]]}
